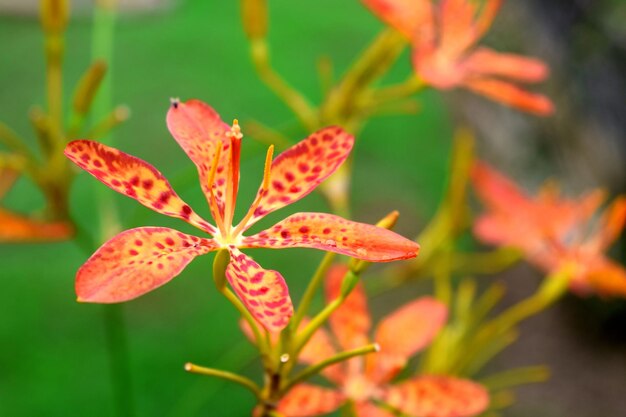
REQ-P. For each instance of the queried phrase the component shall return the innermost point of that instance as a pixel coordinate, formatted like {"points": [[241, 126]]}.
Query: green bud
{"points": [[54, 15], [221, 261], [254, 17]]}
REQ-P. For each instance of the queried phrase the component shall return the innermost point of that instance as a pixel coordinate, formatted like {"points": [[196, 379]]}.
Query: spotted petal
{"points": [[425, 317], [351, 322], [15, 228], [263, 292], [198, 128], [335, 234], [305, 400], [433, 396], [134, 178], [135, 262], [300, 169]]}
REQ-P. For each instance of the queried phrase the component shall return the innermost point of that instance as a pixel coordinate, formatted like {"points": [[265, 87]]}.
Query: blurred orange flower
{"points": [[17, 228], [366, 381], [553, 232], [444, 38]]}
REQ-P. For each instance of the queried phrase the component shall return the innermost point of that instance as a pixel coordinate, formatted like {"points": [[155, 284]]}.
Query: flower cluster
{"points": [[443, 37], [553, 232]]}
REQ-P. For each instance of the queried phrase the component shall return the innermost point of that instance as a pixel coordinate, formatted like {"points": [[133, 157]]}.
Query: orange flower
{"points": [[553, 232], [365, 380], [139, 260], [444, 38]]}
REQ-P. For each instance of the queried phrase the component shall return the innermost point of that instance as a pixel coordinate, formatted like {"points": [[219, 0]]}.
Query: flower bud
{"points": [[254, 17], [54, 15]]}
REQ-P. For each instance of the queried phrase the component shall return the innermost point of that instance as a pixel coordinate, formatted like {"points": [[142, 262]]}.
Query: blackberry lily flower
{"points": [[365, 381], [553, 232], [139, 260], [444, 36]]}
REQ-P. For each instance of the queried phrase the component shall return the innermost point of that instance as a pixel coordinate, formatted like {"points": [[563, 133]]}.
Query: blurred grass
{"points": [[52, 355]]}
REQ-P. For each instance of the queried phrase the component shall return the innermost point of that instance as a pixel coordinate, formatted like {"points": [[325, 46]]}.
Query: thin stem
{"points": [[398, 91], [260, 340], [13, 142], [311, 289], [229, 376], [340, 357], [515, 377], [298, 104], [119, 358], [54, 77]]}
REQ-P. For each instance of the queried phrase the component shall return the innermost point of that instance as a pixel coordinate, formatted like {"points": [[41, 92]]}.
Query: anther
{"points": [[175, 101]]}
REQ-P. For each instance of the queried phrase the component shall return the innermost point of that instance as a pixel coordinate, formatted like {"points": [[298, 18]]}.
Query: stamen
{"points": [[265, 185], [235, 137]]}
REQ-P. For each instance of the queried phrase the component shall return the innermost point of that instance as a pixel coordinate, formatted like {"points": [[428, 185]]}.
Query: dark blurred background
{"points": [[53, 359]]}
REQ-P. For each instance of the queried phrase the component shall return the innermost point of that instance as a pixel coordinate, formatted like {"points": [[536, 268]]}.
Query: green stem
{"points": [[298, 104], [515, 377], [340, 357], [229, 376], [311, 289], [119, 358]]}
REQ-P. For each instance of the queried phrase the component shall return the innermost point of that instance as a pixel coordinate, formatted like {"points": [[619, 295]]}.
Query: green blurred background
{"points": [[53, 354]]}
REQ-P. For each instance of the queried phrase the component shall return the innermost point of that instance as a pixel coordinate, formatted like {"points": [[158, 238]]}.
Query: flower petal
{"points": [[608, 279], [300, 169], [134, 178], [496, 191], [350, 322], [438, 396], [511, 95], [425, 317], [198, 128], [367, 409], [612, 224], [15, 228], [458, 31], [263, 292], [406, 16], [135, 262], [305, 400], [335, 234], [485, 61], [319, 348]]}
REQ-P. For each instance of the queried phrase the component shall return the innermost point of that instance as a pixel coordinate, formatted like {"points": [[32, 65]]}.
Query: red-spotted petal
{"points": [[300, 169], [435, 396], [137, 261], [305, 400], [263, 292], [15, 228], [351, 322], [198, 128], [335, 234], [485, 61], [424, 317], [133, 177], [512, 95], [406, 16]]}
